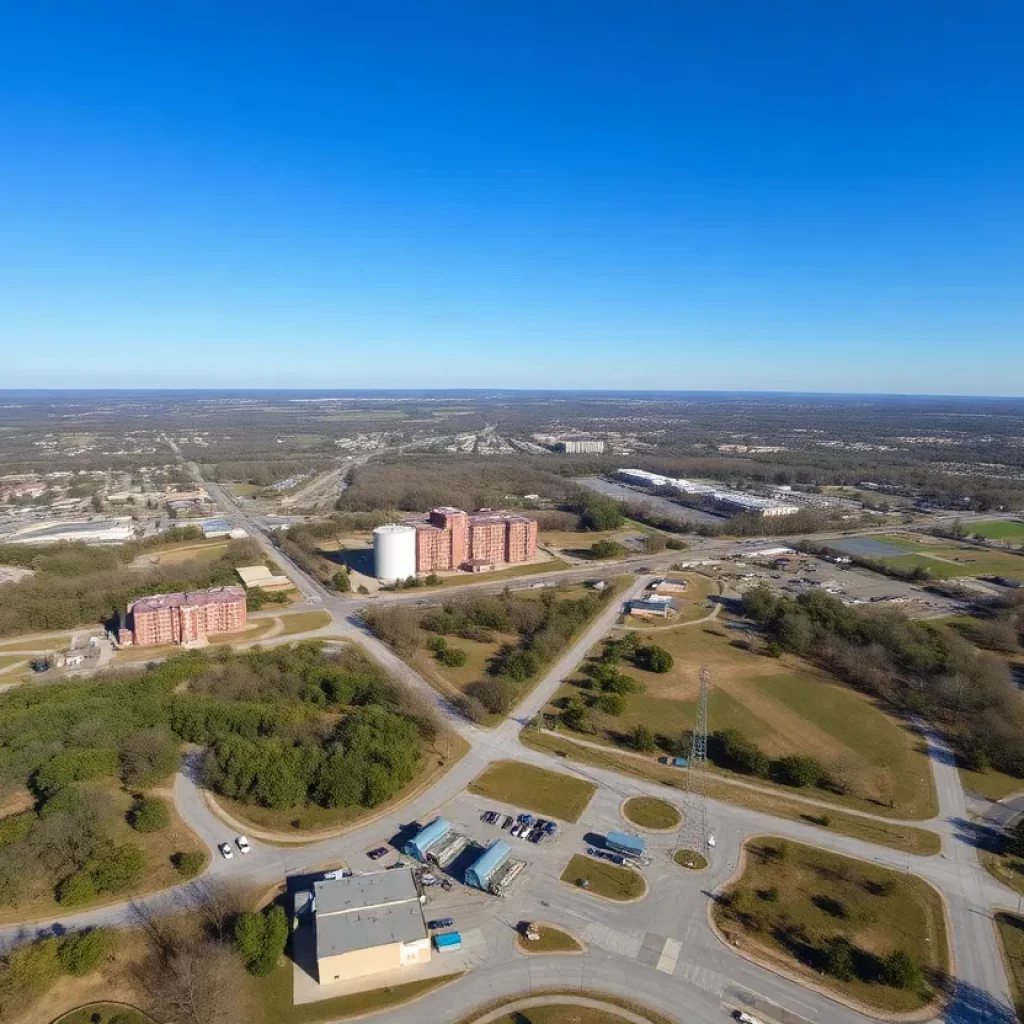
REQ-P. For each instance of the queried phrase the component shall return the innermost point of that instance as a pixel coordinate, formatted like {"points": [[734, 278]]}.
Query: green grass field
{"points": [[998, 529], [270, 999], [769, 801], [785, 706], [535, 789], [791, 900], [604, 878], [1011, 938], [302, 622], [950, 559], [651, 813]]}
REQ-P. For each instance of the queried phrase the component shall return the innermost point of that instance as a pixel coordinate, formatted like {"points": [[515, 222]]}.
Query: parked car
{"points": [[745, 1018], [378, 853], [243, 844], [225, 851], [539, 837], [508, 822], [441, 922]]}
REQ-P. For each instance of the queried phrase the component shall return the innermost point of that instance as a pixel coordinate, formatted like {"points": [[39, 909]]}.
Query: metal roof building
{"points": [[480, 871], [623, 842], [368, 924], [420, 844]]}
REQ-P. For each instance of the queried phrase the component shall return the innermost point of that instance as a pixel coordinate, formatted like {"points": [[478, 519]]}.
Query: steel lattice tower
{"points": [[693, 834]]}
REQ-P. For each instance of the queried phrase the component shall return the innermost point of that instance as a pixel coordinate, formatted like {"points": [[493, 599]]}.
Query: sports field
{"points": [[944, 559], [783, 705], [998, 529]]}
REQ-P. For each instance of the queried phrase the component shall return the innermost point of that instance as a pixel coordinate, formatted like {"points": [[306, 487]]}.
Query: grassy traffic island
{"points": [[1011, 937], [563, 1006], [601, 878], [104, 1013], [869, 936], [690, 859], [537, 789], [552, 940], [650, 813]]}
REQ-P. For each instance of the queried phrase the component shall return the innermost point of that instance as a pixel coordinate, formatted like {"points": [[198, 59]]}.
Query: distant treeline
{"points": [[266, 471], [76, 584]]}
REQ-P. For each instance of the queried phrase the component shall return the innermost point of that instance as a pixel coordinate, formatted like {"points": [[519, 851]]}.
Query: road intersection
{"points": [[659, 951]]}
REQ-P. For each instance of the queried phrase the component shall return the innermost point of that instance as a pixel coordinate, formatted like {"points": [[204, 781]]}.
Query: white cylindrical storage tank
{"points": [[394, 552]]}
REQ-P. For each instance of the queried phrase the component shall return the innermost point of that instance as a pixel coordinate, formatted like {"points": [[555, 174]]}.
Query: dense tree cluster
{"points": [[920, 668], [282, 727], [543, 627]]}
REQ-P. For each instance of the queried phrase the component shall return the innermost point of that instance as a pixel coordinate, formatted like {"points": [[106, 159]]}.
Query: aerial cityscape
{"points": [[512, 514]]}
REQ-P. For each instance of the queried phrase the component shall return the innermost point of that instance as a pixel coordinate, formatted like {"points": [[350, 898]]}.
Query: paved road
{"points": [[659, 951]]}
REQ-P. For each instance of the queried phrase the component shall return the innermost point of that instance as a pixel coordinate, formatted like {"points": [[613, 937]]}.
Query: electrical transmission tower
{"points": [[693, 834]]}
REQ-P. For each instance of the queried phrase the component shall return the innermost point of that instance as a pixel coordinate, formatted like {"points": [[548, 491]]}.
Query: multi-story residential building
{"points": [[185, 618], [583, 447], [448, 538]]}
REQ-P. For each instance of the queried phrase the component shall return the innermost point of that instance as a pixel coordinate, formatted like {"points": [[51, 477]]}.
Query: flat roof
{"points": [[216, 595], [363, 911], [377, 889]]}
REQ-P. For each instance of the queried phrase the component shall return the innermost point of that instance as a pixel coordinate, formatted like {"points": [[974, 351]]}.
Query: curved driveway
{"points": [[701, 977]]}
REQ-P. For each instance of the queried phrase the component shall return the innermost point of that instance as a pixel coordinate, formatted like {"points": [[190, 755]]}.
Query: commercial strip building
{"points": [[365, 924], [723, 498], [447, 539], [183, 618], [94, 531]]}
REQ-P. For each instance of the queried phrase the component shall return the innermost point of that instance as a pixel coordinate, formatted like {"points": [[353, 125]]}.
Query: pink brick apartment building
{"points": [[185, 618], [448, 538]]}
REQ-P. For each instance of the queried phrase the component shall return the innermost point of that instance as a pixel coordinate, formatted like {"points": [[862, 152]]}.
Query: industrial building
{"points": [[260, 576], [448, 539], [366, 924], [651, 607], [723, 498], [96, 531], [495, 869], [583, 447], [184, 618], [394, 552], [437, 843]]}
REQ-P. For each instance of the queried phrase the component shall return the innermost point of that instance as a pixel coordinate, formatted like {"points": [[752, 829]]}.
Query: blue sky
{"points": [[745, 195]]}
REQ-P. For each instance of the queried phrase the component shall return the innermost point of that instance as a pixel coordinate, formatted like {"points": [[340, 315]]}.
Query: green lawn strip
{"points": [[992, 784], [302, 622], [271, 999], [537, 789], [1005, 867], [1011, 937], [690, 859], [531, 569], [563, 1013], [967, 562], [793, 901], [884, 833], [552, 940], [104, 1013], [650, 812], [604, 879]]}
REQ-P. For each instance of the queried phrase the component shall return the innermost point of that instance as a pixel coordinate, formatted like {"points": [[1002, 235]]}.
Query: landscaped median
{"points": [[601, 878], [652, 814], [536, 789], [549, 940], [1011, 937], [870, 937], [562, 1006], [908, 838]]}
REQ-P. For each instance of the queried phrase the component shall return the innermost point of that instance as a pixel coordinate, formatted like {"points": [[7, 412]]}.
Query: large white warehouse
{"points": [[394, 552]]}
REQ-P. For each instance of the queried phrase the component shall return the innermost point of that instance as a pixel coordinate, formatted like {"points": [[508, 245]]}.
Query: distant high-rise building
{"points": [[583, 447]]}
